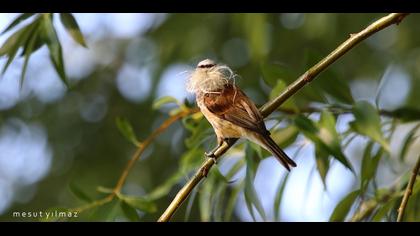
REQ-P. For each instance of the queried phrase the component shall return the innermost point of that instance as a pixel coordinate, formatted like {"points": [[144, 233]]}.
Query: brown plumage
{"points": [[232, 105], [231, 113]]}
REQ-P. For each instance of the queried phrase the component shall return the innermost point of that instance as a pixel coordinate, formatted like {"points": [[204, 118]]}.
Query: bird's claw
{"points": [[211, 156]]}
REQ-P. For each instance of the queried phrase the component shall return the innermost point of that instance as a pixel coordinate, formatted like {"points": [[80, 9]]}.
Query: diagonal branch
{"points": [[408, 191], [269, 107]]}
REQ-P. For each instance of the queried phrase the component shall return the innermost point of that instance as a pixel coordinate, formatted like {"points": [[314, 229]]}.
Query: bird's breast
{"points": [[223, 128]]}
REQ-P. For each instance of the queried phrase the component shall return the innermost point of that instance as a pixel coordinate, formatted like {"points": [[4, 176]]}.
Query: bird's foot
{"points": [[211, 156]]}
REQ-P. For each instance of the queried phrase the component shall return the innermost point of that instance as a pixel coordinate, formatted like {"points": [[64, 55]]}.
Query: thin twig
{"points": [[142, 147], [408, 191], [333, 110], [269, 107], [147, 142], [367, 207], [93, 204]]}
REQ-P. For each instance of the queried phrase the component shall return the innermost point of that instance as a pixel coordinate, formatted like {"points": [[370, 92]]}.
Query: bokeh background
{"points": [[52, 136]]}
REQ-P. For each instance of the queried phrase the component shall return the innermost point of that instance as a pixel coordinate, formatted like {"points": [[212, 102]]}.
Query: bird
{"points": [[231, 113]]}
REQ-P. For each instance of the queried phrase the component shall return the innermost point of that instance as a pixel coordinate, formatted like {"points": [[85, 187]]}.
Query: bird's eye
{"points": [[206, 66]]}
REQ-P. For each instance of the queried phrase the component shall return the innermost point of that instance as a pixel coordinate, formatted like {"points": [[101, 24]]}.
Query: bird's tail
{"points": [[271, 146]]}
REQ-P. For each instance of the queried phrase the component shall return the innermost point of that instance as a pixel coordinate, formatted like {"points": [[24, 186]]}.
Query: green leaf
{"points": [[106, 212], [322, 164], [329, 82], [129, 212], [191, 159], [369, 165], [235, 169], [67, 19], [340, 89], [416, 187], [258, 150], [221, 210], [285, 136], [306, 126], [328, 134], [327, 120], [126, 130], [164, 189], [191, 200], [368, 123], [140, 203], [365, 166], [232, 201], [384, 210], [402, 183], [344, 206], [12, 44], [374, 164], [251, 196], [191, 122], [408, 140], [277, 90], [28, 48], [17, 21], [54, 46], [15, 41], [204, 199], [279, 196], [39, 42], [200, 132], [324, 136], [335, 86], [218, 175], [218, 201], [413, 205], [164, 100], [79, 193]]}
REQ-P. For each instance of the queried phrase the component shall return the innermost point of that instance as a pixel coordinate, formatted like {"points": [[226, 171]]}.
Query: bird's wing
{"points": [[233, 105]]}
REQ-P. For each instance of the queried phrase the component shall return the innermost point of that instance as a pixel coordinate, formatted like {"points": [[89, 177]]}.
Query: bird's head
{"points": [[206, 65], [209, 76]]}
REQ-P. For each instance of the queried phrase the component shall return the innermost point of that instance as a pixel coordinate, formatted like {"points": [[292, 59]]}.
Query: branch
{"points": [[308, 76], [337, 111], [408, 191], [366, 208], [147, 142], [269, 107], [142, 147]]}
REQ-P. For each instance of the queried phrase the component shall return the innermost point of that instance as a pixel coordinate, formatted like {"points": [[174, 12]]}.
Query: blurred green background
{"points": [[53, 138]]}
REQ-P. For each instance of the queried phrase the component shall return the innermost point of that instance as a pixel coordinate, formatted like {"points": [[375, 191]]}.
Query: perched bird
{"points": [[231, 113]]}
